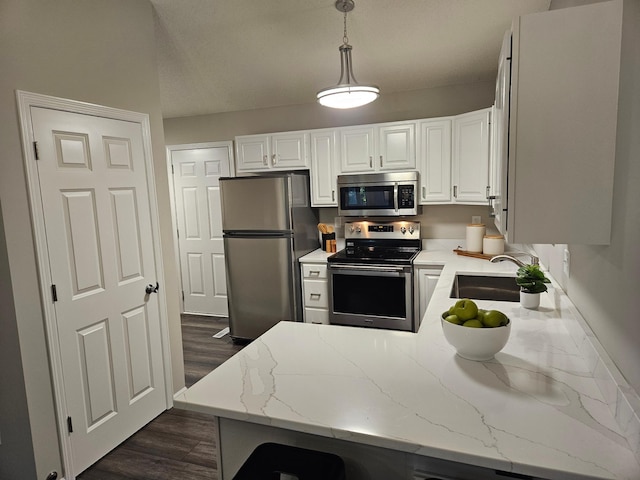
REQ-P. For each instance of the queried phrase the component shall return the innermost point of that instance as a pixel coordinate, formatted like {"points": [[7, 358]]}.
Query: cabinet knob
{"points": [[333, 195], [424, 192], [455, 191], [380, 161], [273, 160], [371, 161], [265, 160]]}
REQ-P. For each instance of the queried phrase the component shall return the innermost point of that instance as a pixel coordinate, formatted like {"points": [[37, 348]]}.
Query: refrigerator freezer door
{"points": [[255, 204], [261, 283]]}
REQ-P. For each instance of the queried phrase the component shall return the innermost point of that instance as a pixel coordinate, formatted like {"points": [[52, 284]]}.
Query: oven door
{"points": [[377, 296]]}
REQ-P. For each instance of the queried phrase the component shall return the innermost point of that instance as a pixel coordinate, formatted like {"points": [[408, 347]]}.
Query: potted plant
{"points": [[532, 282]]}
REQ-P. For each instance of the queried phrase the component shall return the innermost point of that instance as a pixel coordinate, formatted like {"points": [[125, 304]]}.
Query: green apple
{"points": [[453, 319], [465, 309], [494, 318], [480, 314], [474, 323]]}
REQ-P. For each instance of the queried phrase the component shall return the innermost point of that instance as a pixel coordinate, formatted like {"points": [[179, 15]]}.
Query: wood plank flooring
{"points": [[177, 443]]}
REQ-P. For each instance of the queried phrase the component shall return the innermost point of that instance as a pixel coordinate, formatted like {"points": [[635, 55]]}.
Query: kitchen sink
{"points": [[485, 287]]}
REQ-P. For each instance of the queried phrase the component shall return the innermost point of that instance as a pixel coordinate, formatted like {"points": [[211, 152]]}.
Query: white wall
{"points": [[427, 103], [97, 51]]}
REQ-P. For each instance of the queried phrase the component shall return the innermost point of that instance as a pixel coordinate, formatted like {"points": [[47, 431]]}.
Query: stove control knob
{"points": [[403, 230], [358, 230], [410, 228]]}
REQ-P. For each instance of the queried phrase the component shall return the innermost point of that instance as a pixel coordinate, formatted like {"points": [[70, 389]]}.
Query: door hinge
{"points": [[183, 295], [172, 170], [178, 233], [69, 425], [35, 150], [54, 293]]}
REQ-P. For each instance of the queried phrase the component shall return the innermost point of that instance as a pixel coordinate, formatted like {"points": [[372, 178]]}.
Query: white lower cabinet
{"points": [[425, 279], [315, 293]]}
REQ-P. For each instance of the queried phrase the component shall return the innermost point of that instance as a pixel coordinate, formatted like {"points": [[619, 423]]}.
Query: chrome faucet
{"points": [[500, 258]]}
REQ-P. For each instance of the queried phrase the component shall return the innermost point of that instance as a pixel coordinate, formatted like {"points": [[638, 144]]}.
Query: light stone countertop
{"points": [[550, 404]]}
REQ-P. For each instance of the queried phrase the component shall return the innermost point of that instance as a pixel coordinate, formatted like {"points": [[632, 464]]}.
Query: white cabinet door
{"points": [[357, 148], [252, 153], [563, 114], [397, 146], [470, 163], [324, 158], [426, 280], [289, 151], [281, 151], [435, 160], [500, 137]]}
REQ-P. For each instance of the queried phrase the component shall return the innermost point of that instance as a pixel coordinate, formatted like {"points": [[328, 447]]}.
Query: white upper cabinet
{"points": [[470, 161], [375, 148], [454, 158], [563, 124], [278, 151], [500, 137], [397, 146], [357, 148], [324, 165], [434, 140]]}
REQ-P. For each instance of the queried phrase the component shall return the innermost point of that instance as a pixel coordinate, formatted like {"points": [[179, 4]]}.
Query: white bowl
{"points": [[476, 343]]}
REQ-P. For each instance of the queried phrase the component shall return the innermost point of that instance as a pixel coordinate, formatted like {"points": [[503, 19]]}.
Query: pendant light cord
{"points": [[345, 39]]}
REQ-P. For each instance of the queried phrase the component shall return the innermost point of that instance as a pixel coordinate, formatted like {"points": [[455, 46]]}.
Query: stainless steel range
{"points": [[371, 280]]}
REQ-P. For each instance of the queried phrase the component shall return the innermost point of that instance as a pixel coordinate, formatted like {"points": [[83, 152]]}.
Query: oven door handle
{"points": [[369, 268]]}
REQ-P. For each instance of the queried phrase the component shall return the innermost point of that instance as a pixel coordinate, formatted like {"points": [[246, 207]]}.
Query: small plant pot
{"points": [[529, 300]]}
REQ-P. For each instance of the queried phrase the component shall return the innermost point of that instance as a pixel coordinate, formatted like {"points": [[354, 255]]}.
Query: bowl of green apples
{"points": [[476, 334]]}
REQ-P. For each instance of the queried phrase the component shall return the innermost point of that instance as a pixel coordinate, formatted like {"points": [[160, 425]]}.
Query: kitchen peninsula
{"points": [[401, 405]]}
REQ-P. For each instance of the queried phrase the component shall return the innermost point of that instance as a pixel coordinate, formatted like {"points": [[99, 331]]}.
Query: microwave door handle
{"points": [[395, 196]]}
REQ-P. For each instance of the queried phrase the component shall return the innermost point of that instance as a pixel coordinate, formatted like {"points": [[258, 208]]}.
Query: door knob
{"points": [[151, 289]]}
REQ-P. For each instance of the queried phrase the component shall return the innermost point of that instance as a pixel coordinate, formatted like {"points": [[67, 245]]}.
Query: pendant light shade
{"points": [[348, 93]]}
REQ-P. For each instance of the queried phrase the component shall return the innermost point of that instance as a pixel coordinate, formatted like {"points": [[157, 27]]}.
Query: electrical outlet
{"points": [[476, 219], [566, 262]]}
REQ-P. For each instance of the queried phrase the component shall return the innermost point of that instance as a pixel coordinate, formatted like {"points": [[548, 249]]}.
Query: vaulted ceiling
{"points": [[231, 55]]}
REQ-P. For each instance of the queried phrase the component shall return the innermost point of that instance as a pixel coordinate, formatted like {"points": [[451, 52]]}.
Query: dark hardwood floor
{"points": [[178, 443]]}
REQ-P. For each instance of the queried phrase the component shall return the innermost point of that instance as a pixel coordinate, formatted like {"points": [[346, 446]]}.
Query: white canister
{"points": [[493, 245], [475, 234]]}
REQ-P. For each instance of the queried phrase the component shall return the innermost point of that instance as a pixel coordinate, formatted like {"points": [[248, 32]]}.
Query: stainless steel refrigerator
{"points": [[268, 224]]}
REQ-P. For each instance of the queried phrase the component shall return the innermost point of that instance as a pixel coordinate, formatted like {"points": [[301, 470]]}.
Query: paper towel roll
{"points": [[475, 234]]}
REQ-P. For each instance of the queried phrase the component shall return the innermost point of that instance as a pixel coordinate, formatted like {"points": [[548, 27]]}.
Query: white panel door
{"points": [[100, 240], [196, 174]]}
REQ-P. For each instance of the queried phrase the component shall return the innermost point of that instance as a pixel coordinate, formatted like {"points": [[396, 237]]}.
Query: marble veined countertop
{"points": [[549, 405]]}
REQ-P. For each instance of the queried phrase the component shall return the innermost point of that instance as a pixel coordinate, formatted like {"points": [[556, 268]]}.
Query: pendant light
{"points": [[348, 93]]}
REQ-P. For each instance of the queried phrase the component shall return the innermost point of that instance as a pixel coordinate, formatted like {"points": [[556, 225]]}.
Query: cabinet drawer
{"points": [[314, 270], [315, 315], [315, 294]]}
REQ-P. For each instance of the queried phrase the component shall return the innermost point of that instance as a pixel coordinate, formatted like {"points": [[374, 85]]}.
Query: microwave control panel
{"points": [[406, 196]]}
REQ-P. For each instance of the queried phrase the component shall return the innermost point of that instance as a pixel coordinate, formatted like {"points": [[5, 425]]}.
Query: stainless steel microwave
{"points": [[378, 194]]}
